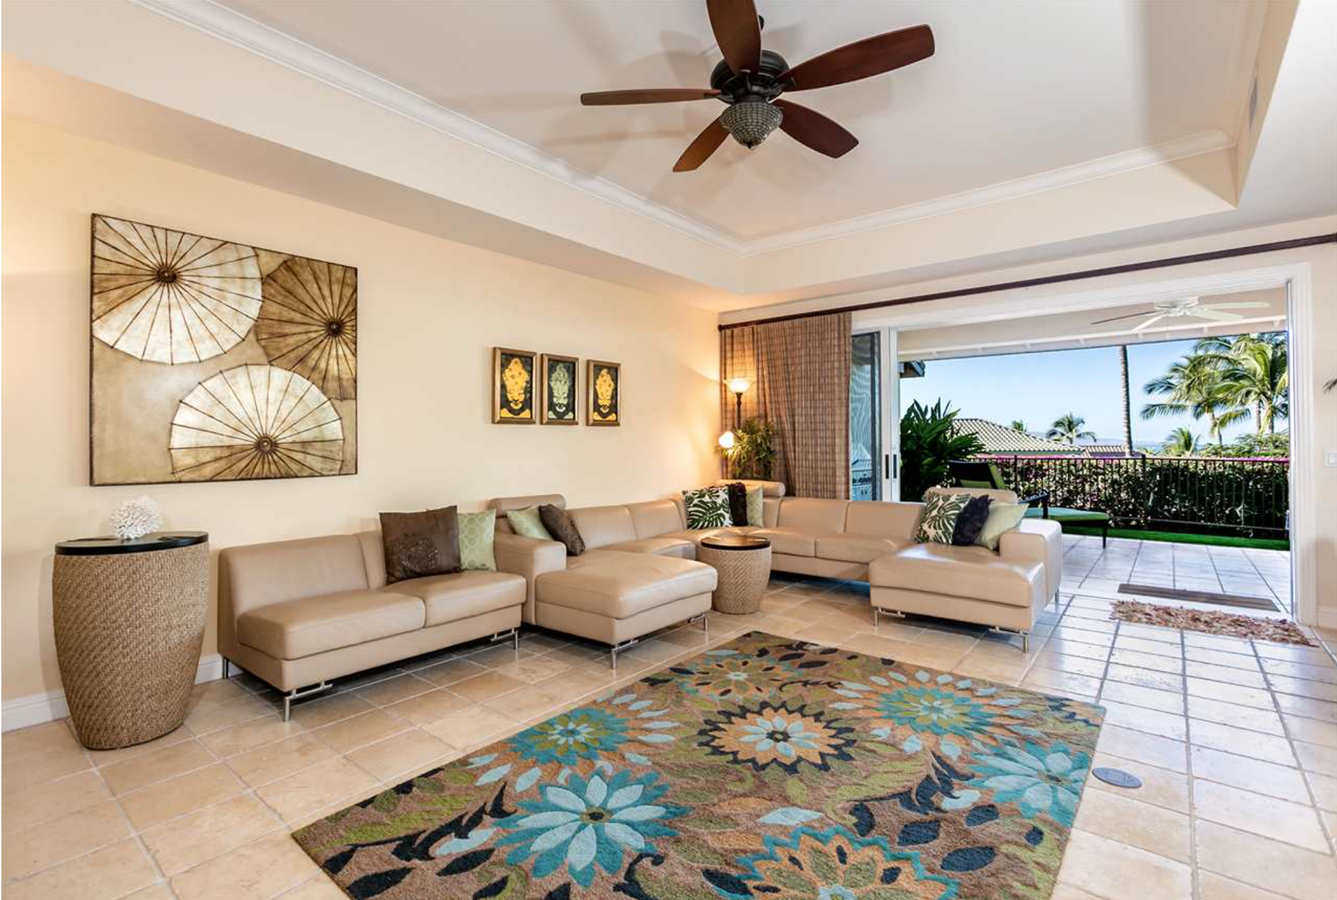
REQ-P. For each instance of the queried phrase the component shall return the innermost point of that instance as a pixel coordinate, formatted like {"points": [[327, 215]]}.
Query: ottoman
{"points": [[616, 597]]}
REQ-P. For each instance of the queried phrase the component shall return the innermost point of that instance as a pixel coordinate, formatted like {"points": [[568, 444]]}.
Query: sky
{"points": [[1037, 388]]}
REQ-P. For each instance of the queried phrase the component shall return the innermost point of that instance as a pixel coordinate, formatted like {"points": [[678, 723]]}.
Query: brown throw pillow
{"points": [[738, 503], [971, 521], [561, 527], [419, 544]]}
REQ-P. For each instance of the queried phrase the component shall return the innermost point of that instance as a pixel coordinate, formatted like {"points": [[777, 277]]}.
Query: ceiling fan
{"points": [[1188, 306], [750, 81]]}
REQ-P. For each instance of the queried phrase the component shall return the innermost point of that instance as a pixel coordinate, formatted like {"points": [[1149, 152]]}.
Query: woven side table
{"points": [[744, 567], [129, 620]]}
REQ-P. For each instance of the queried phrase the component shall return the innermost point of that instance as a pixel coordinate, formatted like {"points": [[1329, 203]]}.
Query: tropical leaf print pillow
{"points": [[707, 508], [938, 521]]}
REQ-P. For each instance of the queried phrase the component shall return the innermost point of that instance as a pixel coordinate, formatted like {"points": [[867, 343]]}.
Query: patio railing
{"points": [[1202, 495]]}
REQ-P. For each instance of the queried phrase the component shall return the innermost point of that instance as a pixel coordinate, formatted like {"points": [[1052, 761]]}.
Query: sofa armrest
{"points": [[1036, 540], [530, 558]]}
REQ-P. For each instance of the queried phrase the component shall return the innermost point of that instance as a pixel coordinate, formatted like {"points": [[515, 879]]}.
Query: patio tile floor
{"points": [[1096, 570]]}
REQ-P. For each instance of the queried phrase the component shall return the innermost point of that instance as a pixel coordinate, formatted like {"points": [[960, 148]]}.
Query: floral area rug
{"points": [[766, 768], [1280, 631]]}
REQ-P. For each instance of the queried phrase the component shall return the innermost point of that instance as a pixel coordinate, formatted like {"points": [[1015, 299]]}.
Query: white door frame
{"points": [[1296, 278], [888, 412]]}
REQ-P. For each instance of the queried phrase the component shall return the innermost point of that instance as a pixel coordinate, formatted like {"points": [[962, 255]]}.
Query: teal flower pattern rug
{"points": [[765, 768]]}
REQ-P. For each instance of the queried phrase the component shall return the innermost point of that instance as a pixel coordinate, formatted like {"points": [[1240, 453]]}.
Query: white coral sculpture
{"points": [[135, 518]]}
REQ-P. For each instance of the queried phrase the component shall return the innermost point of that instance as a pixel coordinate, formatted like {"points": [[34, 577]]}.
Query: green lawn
{"points": [[1215, 540]]}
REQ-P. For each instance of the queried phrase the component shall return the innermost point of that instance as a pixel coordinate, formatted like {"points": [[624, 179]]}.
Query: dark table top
{"points": [[735, 542], [159, 540]]}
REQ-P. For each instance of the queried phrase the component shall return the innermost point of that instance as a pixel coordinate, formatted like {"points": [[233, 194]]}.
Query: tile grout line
{"points": [[1194, 872], [1304, 772]]}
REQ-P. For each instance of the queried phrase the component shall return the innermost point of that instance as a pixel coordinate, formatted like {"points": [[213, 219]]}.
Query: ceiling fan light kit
{"points": [[750, 80]]}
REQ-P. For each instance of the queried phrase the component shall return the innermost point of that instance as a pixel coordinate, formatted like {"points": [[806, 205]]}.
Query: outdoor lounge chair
{"points": [[983, 473]]}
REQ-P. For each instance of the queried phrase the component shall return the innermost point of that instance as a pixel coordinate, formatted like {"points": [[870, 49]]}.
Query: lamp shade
{"points": [[726, 440], [739, 385]]}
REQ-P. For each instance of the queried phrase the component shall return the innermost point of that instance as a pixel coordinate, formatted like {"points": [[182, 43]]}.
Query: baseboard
{"points": [[35, 709]]}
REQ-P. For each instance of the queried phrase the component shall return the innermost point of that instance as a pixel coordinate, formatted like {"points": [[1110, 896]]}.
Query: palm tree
{"points": [[1181, 442], [1018, 425], [1127, 415], [1067, 429], [1193, 386], [1253, 373]]}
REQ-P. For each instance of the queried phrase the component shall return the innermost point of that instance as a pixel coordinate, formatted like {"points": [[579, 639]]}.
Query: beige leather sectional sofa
{"points": [[299, 613]]}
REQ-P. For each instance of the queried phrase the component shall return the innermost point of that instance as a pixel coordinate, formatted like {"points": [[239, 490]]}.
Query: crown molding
{"points": [[241, 31], [1115, 164]]}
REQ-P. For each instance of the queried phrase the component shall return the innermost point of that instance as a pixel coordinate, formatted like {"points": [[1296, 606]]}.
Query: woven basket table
{"points": [[744, 567], [129, 620]]}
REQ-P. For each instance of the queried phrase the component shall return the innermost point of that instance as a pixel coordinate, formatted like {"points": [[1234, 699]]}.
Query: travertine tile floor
{"points": [[1090, 568], [1236, 743]]}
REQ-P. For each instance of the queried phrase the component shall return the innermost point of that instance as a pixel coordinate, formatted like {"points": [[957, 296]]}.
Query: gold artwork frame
{"points": [[597, 375], [560, 398], [216, 360], [514, 392]]}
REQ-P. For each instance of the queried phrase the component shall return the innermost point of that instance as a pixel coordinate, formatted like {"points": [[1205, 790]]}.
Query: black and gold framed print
{"points": [[513, 389], [559, 389], [603, 404]]}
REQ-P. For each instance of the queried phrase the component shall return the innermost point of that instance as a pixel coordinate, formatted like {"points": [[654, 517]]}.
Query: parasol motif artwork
{"points": [[169, 297], [256, 422], [213, 360], [309, 323]]}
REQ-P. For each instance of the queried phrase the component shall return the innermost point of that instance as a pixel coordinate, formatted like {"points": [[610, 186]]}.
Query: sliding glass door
{"points": [[874, 416]]}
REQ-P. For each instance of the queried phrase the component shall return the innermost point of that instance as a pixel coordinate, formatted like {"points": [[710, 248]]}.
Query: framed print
{"points": [[216, 360], [603, 405], [513, 386], [560, 390]]}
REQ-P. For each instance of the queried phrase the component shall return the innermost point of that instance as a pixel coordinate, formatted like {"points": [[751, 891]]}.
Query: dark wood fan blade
{"points": [[863, 59], [649, 95], [706, 143], [812, 129], [737, 31]]}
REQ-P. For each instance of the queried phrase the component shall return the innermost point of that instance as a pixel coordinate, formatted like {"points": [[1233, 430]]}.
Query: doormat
{"points": [[1237, 600], [1279, 631]]}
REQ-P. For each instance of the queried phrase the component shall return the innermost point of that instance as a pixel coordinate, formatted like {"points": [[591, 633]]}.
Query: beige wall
{"points": [[430, 311]]}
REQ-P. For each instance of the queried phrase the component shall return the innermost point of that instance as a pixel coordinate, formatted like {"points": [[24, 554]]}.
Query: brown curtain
{"points": [[800, 372]]}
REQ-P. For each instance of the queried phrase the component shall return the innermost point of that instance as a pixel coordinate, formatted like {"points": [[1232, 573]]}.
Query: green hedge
{"points": [[1227, 496]]}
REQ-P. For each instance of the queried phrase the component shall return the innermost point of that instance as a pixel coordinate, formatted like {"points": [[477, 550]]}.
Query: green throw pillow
{"points": [[1003, 517], [526, 523], [707, 508], [938, 521], [477, 530], [756, 509]]}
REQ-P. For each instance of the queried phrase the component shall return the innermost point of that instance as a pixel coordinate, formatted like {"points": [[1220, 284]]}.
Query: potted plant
{"points": [[753, 455]]}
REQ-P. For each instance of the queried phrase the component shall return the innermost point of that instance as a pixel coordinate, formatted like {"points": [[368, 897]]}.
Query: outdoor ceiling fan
{"points": [[1188, 306], [750, 81]]}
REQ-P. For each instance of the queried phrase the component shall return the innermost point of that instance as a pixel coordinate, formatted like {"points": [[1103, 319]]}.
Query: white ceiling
{"points": [[1014, 90]]}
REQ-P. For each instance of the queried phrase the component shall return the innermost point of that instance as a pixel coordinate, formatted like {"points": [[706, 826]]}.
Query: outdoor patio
{"points": [[1191, 567]]}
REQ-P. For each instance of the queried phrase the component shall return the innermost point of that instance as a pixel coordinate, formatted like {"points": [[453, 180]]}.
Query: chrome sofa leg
{"points": [[704, 619], [227, 668], [879, 612], [295, 694], [614, 650], [513, 636], [1024, 635]]}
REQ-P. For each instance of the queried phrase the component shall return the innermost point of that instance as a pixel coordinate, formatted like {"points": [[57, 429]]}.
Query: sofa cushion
{"points": [[603, 525], [297, 628], [707, 508], [813, 516], [502, 504], [461, 595], [654, 518], [527, 523], [793, 541], [972, 572], [856, 548], [478, 532], [560, 525], [420, 543], [264, 574], [880, 519], [662, 546], [619, 585]]}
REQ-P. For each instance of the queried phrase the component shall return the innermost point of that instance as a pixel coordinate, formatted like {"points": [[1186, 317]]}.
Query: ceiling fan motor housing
{"points": [[767, 82]]}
